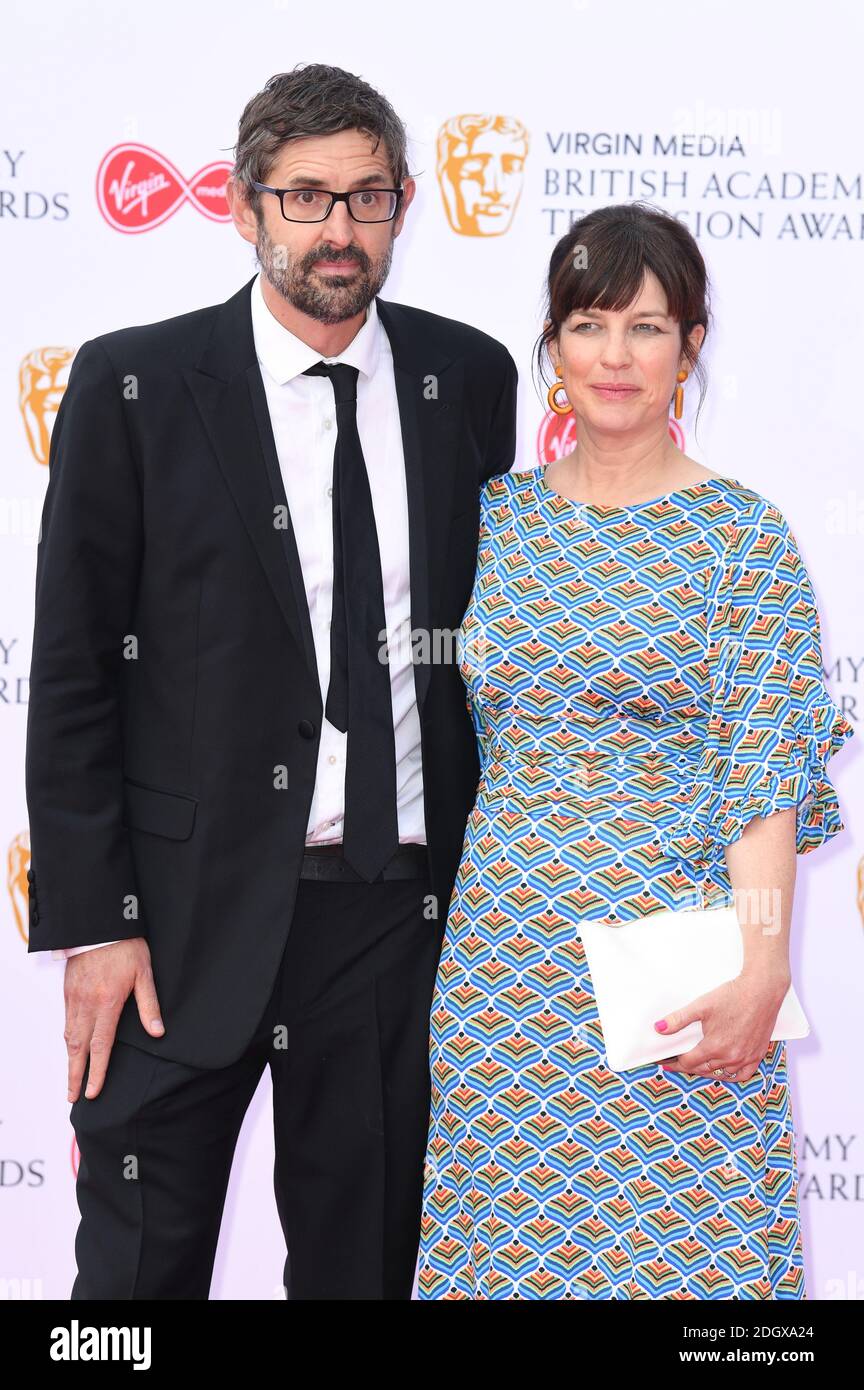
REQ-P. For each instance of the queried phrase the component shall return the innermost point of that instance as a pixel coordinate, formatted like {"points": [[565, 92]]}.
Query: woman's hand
{"points": [[737, 1022]]}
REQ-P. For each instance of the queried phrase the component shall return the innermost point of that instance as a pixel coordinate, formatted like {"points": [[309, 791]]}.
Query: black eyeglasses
{"points": [[315, 204]]}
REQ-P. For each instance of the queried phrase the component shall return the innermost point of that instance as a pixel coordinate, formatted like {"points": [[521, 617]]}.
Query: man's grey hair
{"points": [[313, 99]]}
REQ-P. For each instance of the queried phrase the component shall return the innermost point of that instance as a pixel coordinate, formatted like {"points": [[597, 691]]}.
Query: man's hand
{"points": [[96, 986]]}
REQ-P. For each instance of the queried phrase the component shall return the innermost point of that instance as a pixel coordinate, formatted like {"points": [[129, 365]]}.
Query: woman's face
{"points": [[637, 348]]}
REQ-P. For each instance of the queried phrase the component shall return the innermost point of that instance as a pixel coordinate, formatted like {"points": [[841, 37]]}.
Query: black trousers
{"points": [[345, 1034]]}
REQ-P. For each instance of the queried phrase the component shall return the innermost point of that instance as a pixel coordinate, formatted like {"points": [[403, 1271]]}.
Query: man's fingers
{"points": [[77, 1038], [101, 1044], [96, 986], [148, 1005]]}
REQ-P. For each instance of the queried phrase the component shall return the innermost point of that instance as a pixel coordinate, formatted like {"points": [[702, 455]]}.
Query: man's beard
{"points": [[327, 298]]}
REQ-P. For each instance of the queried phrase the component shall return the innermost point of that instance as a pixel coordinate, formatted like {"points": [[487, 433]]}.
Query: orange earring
{"points": [[552, 393], [679, 394]]}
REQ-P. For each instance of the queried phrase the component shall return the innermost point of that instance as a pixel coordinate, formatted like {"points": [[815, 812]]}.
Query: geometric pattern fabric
{"points": [[643, 681]]}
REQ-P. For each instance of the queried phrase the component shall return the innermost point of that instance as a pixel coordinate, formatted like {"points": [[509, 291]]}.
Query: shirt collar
{"points": [[284, 355]]}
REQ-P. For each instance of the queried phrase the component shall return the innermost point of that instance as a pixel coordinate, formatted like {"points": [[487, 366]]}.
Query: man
{"points": [[241, 789]]}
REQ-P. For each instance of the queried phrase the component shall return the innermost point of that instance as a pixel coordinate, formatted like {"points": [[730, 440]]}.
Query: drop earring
{"points": [[552, 393], [679, 394]]}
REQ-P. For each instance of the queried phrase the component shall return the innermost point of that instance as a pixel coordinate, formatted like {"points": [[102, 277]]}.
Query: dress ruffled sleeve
{"points": [[772, 725]]}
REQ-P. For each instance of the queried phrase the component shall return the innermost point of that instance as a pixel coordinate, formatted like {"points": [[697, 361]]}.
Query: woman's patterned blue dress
{"points": [[644, 680]]}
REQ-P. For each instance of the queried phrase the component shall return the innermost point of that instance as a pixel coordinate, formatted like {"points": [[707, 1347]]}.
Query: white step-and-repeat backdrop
{"points": [[743, 120]]}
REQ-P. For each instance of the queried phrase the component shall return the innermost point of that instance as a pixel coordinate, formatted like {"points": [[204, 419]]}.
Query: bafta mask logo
{"points": [[479, 165], [42, 379], [17, 864]]}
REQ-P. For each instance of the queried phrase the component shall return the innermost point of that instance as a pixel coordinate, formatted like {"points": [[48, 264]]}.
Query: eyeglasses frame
{"points": [[334, 199]]}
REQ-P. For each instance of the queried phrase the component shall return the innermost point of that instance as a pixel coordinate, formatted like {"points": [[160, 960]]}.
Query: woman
{"points": [[641, 651]]}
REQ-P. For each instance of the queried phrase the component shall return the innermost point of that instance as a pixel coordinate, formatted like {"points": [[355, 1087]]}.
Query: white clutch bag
{"points": [[645, 968]]}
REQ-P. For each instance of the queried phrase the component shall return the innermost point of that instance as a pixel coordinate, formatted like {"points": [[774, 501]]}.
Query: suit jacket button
{"points": [[30, 875], [34, 916], [306, 728]]}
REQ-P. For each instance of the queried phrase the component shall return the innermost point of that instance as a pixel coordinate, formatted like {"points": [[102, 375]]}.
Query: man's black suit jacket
{"points": [[173, 670]]}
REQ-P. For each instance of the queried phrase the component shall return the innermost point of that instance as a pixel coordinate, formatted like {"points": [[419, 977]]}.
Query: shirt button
{"points": [[328, 424], [329, 492], [332, 758]]}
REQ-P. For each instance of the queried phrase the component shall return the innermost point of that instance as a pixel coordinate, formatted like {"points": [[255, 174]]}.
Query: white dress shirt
{"points": [[303, 416]]}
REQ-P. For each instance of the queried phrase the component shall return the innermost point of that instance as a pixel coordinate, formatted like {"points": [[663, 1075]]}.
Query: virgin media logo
{"points": [[557, 436], [137, 188]]}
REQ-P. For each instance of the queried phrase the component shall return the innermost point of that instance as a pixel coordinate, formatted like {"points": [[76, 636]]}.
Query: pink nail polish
{"points": [[661, 1025]]}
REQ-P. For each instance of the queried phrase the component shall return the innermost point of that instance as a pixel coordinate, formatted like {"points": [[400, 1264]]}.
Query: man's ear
{"points": [[410, 186], [242, 212]]}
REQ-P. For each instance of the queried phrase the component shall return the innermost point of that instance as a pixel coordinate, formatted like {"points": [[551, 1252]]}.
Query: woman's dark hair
{"points": [[616, 245], [312, 99]]}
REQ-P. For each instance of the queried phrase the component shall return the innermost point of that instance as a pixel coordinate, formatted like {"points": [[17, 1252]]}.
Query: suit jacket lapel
{"points": [[229, 393], [429, 391]]}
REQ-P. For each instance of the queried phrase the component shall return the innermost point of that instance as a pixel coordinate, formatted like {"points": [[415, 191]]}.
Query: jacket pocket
{"points": [[158, 812]]}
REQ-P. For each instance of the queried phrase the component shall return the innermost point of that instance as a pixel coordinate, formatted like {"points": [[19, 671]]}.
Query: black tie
{"points": [[358, 696]]}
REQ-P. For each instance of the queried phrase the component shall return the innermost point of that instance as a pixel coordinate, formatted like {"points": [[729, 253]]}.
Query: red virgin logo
{"points": [[557, 436], [137, 188]]}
